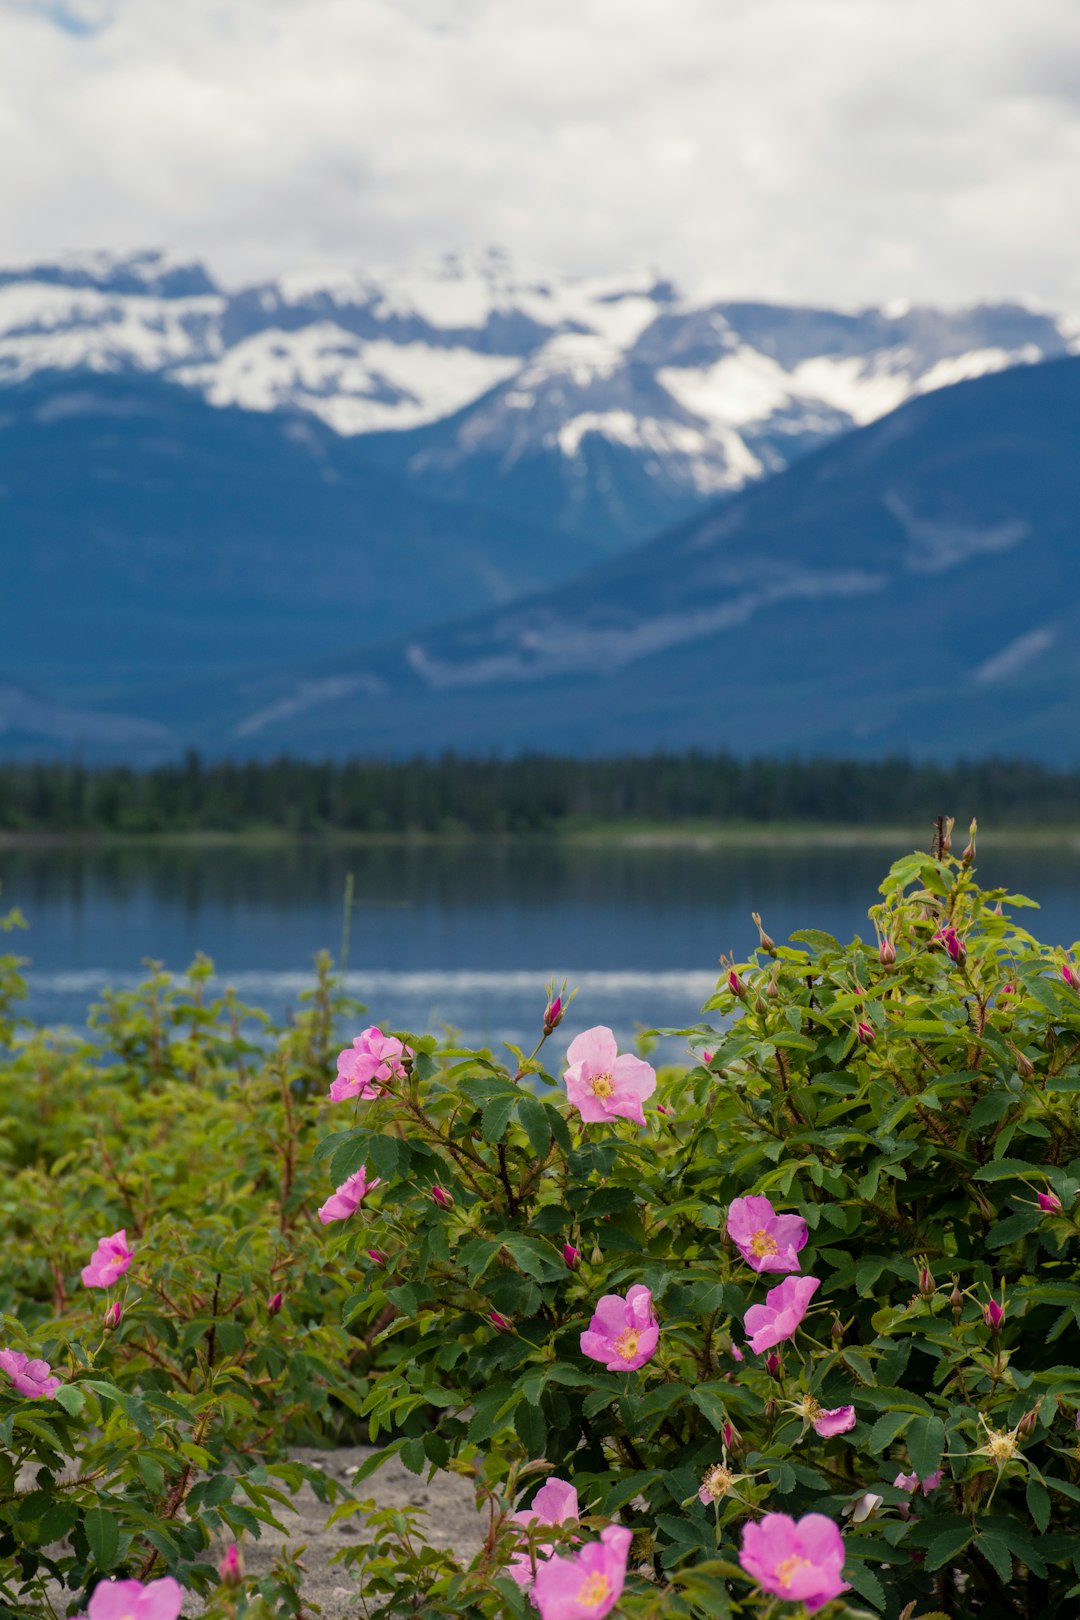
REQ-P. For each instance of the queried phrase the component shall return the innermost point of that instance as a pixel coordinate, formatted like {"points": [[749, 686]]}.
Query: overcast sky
{"points": [[834, 150]]}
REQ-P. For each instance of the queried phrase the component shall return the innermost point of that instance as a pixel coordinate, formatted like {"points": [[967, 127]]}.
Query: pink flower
{"points": [[554, 1503], [953, 944], [444, 1199], [30, 1376], [587, 1586], [993, 1314], [706, 1058], [553, 1014], [348, 1198], [112, 1315], [273, 1304], [837, 1420], [368, 1066], [623, 1333], [131, 1600], [767, 1241], [601, 1084], [108, 1262], [736, 1353], [571, 1255], [1049, 1203], [795, 1561], [231, 1567], [912, 1482], [783, 1310], [773, 1365]]}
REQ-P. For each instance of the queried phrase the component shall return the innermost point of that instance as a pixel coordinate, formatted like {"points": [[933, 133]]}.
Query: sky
{"points": [[833, 151]]}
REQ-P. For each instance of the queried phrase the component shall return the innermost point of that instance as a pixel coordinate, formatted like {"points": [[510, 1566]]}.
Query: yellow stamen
{"points": [[626, 1344], [602, 1085], [718, 1481], [787, 1571], [594, 1590], [764, 1243]]}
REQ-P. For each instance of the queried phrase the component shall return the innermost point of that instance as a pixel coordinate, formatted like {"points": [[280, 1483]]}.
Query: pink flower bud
{"points": [[1078, 1418], [736, 985], [273, 1304], [553, 1014], [773, 1364], [953, 944], [571, 1255], [886, 951], [503, 1324], [927, 1285], [733, 1439], [444, 1200], [1049, 1203], [1008, 990], [1026, 1426], [1068, 973], [993, 1314], [736, 1353], [865, 1032], [660, 1109], [231, 1567], [706, 1058], [376, 1258], [113, 1314]]}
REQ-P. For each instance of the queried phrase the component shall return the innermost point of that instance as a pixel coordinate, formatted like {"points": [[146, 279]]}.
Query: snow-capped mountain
{"points": [[604, 406]]}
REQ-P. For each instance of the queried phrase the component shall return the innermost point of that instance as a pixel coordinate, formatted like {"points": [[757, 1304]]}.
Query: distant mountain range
{"points": [[913, 586], [229, 518], [607, 408]]}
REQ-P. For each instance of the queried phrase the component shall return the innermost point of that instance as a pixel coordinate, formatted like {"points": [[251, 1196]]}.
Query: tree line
{"points": [[529, 794]]}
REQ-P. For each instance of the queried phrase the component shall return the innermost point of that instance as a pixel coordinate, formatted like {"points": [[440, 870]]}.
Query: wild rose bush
{"points": [[169, 1322], [804, 1316]]}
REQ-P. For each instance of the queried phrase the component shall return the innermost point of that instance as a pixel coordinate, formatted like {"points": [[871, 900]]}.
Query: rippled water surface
{"points": [[461, 934]]}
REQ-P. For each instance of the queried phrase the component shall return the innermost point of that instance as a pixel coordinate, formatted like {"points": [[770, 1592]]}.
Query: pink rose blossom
{"points": [[348, 1198], [783, 1310], [623, 1333], [30, 1375], [109, 1261], [588, 1585], [601, 1084], [554, 1503], [912, 1482], [367, 1067], [797, 1562], [767, 1241], [131, 1600], [1049, 1203], [835, 1420]]}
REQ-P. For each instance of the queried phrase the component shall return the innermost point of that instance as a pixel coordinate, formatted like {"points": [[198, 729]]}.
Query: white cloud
{"points": [[839, 150]]}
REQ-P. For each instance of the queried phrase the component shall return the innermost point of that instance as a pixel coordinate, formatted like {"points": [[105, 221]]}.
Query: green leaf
{"points": [[886, 1429], [533, 1117], [531, 1429], [496, 1117], [349, 1156], [1012, 1228], [103, 1536], [1038, 1503], [71, 1399], [925, 1443], [865, 1583], [710, 1402], [996, 1554], [946, 1546]]}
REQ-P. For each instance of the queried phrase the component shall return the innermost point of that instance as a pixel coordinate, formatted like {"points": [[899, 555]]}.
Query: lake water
{"points": [[462, 934]]}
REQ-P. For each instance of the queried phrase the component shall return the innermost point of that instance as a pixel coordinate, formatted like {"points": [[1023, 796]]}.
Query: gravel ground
{"points": [[453, 1522]]}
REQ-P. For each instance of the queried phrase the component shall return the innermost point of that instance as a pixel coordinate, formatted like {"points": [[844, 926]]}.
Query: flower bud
{"points": [[1068, 973], [571, 1255], [1026, 1426], [865, 1032], [768, 945], [862, 1507], [886, 951], [376, 1258], [553, 1014], [273, 1304], [736, 985], [927, 1285], [1008, 989], [956, 1298], [993, 1315], [706, 1058], [503, 1323], [1049, 1203], [953, 944], [969, 850], [736, 1353], [1024, 1066], [444, 1200], [773, 1365], [837, 1331], [113, 1314], [733, 1439], [231, 1567]]}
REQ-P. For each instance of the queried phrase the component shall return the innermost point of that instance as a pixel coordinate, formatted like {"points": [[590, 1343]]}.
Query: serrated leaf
{"points": [[946, 1546], [103, 1536], [496, 1117], [533, 1117], [925, 1443], [886, 1429], [996, 1554]]}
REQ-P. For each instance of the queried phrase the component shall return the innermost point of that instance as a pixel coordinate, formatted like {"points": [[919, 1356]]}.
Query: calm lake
{"points": [[463, 934]]}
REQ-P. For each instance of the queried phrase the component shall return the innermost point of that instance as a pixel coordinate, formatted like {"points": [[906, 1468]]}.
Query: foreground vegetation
{"points": [[793, 1329], [533, 794]]}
